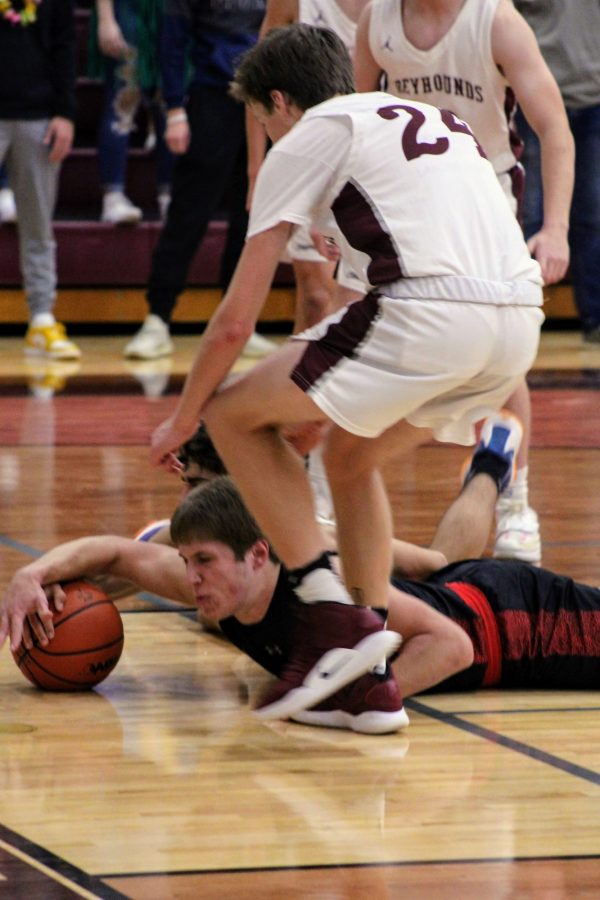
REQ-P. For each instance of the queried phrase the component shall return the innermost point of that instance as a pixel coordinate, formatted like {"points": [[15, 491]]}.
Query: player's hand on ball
{"points": [[25, 613]]}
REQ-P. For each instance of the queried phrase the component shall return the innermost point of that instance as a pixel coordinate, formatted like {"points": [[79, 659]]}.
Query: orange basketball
{"points": [[87, 643]]}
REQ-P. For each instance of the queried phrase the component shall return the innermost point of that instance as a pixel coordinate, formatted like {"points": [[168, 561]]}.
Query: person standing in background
{"points": [[569, 38], [478, 58], [37, 109], [124, 47], [206, 131]]}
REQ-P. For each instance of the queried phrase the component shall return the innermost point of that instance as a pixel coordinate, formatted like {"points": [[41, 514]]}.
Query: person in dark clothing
{"points": [[37, 109], [470, 625], [206, 130]]}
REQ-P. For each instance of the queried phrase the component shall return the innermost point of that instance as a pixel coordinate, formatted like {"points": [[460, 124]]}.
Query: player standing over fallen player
{"points": [[451, 327]]}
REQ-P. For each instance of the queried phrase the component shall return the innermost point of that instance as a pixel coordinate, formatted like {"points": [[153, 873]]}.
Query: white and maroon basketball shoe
{"points": [[334, 644]]}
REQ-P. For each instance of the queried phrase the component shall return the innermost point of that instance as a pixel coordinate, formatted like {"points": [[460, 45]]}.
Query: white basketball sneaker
{"points": [[152, 341], [517, 531], [117, 209]]}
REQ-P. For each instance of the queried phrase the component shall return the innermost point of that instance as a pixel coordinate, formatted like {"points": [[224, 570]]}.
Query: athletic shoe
{"points": [[333, 644], [8, 207], [501, 436], [151, 341], [51, 342], [371, 705], [517, 532], [117, 209], [258, 346]]}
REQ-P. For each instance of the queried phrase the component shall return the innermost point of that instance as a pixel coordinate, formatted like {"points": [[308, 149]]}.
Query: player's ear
{"points": [[260, 552]]}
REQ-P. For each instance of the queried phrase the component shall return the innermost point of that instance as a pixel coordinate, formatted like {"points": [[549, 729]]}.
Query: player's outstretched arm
{"points": [[223, 340], [414, 562], [433, 647], [24, 607]]}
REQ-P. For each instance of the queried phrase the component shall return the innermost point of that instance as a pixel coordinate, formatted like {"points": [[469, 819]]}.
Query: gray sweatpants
{"points": [[34, 181]]}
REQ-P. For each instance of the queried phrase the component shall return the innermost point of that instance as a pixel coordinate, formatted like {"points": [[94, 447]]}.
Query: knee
{"points": [[315, 303]]}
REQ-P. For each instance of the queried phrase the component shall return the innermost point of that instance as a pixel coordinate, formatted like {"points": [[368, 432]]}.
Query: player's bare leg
{"points": [[243, 421], [363, 514], [464, 529], [335, 641]]}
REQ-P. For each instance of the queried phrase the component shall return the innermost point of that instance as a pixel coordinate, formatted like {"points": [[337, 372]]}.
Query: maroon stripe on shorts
{"points": [[363, 230], [340, 341]]}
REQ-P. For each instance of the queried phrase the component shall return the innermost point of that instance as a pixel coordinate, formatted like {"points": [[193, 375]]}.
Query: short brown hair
{"points": [[215, 511], [307, 64]]}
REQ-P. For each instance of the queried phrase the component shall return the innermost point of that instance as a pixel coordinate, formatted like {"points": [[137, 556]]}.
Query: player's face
{"points": [[277, 121], [220, 582]]}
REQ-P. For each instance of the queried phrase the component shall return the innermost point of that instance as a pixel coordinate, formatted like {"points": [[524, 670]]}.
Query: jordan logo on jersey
{"points": [[387, 45]]}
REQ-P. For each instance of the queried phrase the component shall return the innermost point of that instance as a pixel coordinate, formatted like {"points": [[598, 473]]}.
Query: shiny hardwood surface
{"points": [[161, 784]]}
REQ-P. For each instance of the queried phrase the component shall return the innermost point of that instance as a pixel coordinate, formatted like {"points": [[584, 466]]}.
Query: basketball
{"points": [[87, 642]]}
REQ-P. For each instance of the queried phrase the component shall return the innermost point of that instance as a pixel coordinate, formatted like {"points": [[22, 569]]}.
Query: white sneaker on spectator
{"points": [[8, 207], [151, 341], [517, 532], [117, 209], [257, 345]]}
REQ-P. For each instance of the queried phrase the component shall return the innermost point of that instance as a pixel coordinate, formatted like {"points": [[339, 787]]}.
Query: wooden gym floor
{"points": [[160, 784]]}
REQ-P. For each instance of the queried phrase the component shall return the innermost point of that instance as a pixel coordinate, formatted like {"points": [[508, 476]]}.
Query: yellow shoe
{"points": [[50, 341]]}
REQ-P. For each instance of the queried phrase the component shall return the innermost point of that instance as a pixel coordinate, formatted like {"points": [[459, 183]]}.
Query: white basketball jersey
{"points": [[327, 14], [414, 201], [458, 73]]}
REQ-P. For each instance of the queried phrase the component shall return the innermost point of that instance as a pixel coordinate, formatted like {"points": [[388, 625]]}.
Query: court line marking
{"points": [[393, 864], [17, 545], [523, 711], [509, 743], [56, 868]]}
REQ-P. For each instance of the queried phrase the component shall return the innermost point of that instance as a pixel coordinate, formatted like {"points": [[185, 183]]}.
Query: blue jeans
{"points": [[122, 98], [584, 231]]}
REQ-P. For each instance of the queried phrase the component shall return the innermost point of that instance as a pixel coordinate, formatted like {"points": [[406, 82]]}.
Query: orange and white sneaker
{"points": [[51, 342]]}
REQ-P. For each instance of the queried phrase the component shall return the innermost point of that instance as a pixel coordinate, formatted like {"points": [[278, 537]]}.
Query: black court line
{"points": [[20, 547], [54, 863], [391, 864], [517, 746], [521, 712]]}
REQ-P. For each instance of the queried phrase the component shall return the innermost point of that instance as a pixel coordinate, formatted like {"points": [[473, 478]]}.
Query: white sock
{"points": [[518, 492], [42, 320], [322, 584]]}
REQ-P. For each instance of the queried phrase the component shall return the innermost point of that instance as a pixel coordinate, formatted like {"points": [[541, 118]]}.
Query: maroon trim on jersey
{"points": [[510, 109], [477, 601], [363, 230], [339, 341], [517, 181]]}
